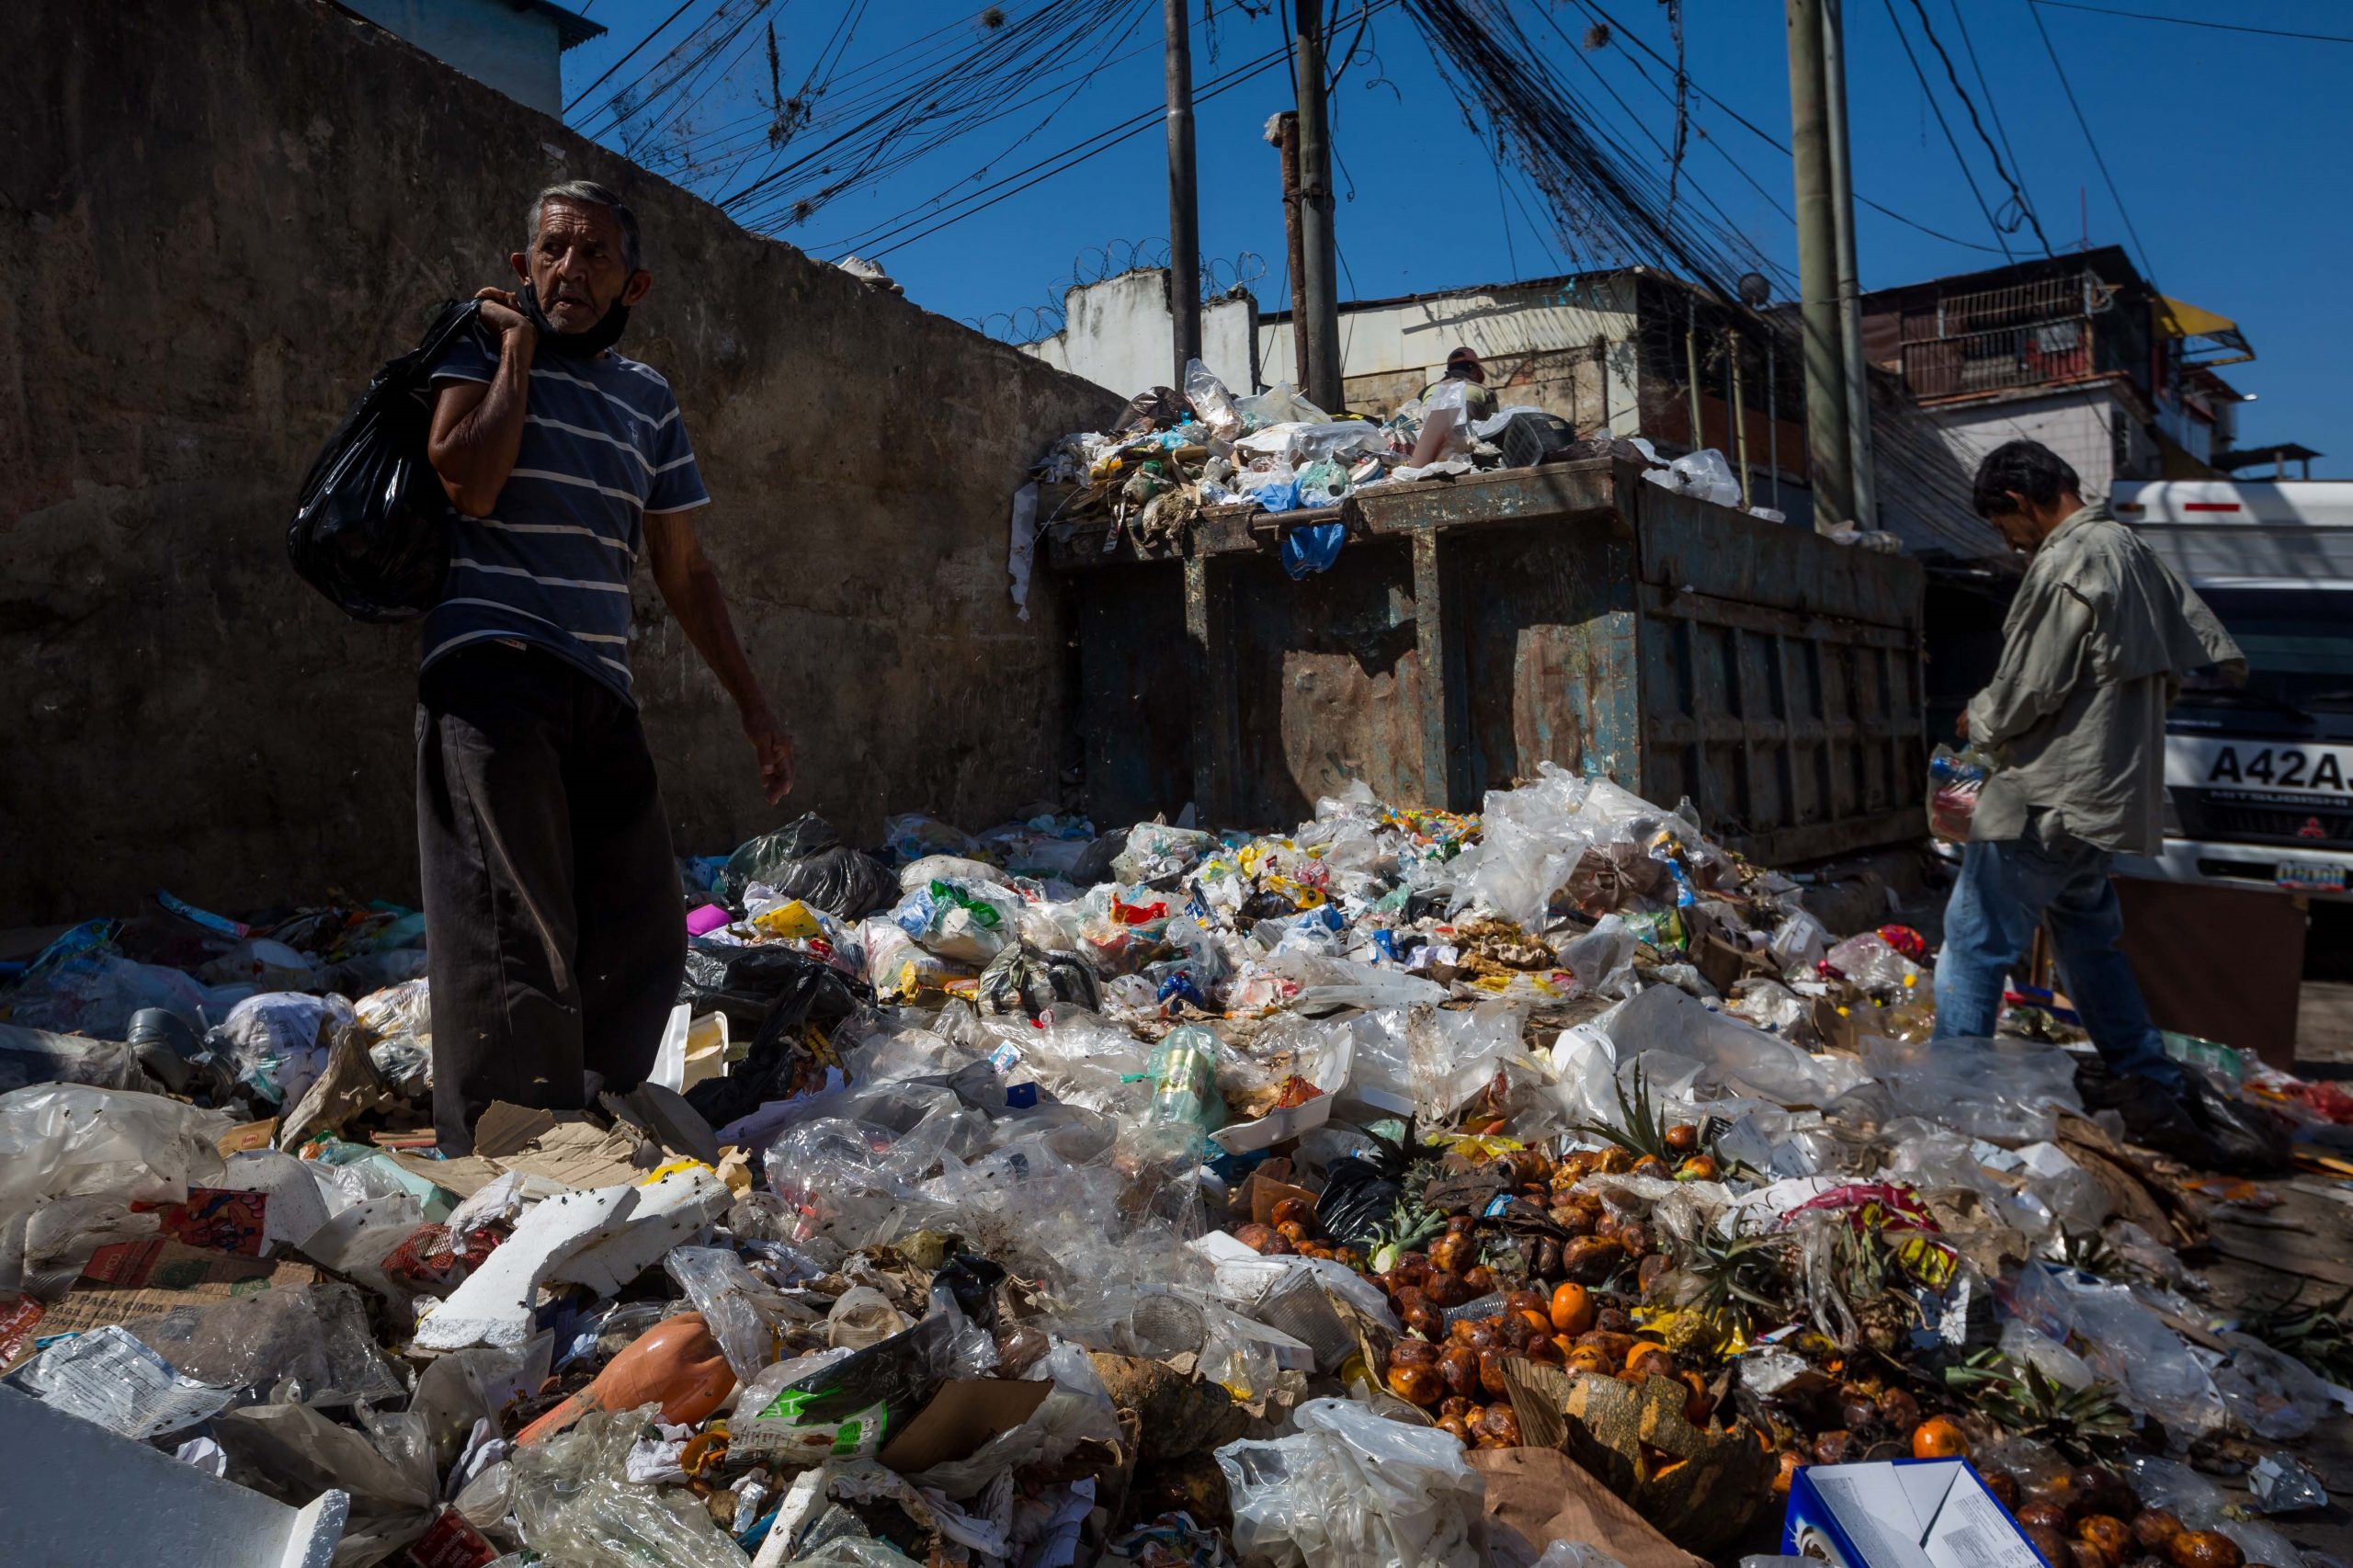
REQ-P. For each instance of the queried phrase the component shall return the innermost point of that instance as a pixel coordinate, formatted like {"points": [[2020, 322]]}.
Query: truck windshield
{"points": [[2299, 643]]}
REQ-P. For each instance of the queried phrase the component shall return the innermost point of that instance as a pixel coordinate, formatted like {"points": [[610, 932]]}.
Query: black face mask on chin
{"points": [[576, 345]]}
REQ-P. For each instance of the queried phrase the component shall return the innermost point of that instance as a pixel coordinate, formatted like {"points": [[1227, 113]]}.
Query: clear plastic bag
{"points": [[575, 1508], [1212, 404], [741, 1311], [2007, 1091], [2277, 1397], [58, 1140], [1351, 1489], [308, 1344], [1703, 475], [2126, 1344]]}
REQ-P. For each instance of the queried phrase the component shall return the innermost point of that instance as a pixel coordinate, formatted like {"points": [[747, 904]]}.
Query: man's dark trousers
{"points": [[555, 929]]}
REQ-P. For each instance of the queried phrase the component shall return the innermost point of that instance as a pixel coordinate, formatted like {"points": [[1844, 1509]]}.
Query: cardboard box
{"points": [[1903, 1513]]}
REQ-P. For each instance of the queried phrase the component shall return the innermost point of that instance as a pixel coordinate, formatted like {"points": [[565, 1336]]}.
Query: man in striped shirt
{"points": [[553, 919]]}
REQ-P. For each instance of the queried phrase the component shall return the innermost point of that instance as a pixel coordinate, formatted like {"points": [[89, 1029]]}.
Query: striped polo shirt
{"points": [[603, 444]]}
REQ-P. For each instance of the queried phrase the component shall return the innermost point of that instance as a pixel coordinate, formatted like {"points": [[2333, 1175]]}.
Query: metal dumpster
{"points": [[1471, 630]]}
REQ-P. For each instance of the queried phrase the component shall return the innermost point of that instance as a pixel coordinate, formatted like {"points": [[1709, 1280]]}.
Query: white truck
{"points": [[2259, 779]]}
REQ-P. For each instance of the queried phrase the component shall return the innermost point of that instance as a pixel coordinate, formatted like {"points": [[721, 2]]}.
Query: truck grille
{"points": [[2263, 824]]}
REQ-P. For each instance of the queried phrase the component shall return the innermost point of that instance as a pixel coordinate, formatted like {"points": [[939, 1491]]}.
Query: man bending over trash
{"points": [[2094, 649], [552, 913]]}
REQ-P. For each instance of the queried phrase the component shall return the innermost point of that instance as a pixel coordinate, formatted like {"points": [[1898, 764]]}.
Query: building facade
{"points": [[516, 46]]}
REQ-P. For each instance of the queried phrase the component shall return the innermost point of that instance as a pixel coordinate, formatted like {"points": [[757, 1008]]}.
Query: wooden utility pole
{"points": [[1826, 381], [1862, 481], [1318, 315], [1184, 196], [1283, 131]]}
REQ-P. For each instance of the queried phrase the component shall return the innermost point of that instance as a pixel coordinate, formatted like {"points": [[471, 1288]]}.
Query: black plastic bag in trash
{"points": [[972, 1280], [2251, 1139], [371, 529], [806, 859], [789, 1005]]}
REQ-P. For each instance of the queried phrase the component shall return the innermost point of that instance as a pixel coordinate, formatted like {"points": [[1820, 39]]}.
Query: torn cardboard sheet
{"points": [[1545, 1496], [514, 1138]]}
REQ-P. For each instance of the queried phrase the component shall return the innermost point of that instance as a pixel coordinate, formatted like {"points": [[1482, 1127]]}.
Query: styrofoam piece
{"points": [[670, 1057], [79, 1496], [1330, 1074], [602, 1238]]}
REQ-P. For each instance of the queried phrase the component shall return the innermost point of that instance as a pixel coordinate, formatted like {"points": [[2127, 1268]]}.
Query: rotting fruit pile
{"points": [[1154, 1197]]}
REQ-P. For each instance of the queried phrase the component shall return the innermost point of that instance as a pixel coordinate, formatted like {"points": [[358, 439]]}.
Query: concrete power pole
{"points": [[1826, 381], [1318, 314], [1184, 198], [1864, 482]]}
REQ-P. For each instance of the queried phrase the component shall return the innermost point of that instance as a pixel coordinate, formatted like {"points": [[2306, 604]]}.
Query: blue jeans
{"points": [[2007, 887]]}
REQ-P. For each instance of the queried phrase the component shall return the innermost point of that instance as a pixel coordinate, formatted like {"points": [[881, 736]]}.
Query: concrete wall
{"points": [[216, 218], [1541, 336], [495, 42], [1118, 333], [2079, 423]]}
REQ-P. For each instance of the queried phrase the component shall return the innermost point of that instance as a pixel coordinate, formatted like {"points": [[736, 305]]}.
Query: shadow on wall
{"points": [[220, 215]]}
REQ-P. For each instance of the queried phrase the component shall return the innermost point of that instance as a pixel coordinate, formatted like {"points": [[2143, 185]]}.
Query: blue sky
{"points": [[2230, 151]]}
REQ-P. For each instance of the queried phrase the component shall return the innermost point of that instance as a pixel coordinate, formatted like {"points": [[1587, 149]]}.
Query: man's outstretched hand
{"points": [[774, 749]]}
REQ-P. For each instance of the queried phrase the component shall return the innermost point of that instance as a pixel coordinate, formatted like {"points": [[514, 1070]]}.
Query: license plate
{"points": [[2309, 875], [2282, 767]]}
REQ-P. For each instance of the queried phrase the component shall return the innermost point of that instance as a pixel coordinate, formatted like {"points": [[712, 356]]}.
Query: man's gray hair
{"points": [[588, 193]]}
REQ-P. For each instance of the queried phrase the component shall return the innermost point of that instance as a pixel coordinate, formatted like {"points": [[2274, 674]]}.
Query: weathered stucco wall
{"points": [[216, 218]]}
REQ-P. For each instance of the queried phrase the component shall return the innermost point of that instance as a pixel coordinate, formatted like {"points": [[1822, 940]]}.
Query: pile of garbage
{"points": [[1543, 1186], [1172, 456]]}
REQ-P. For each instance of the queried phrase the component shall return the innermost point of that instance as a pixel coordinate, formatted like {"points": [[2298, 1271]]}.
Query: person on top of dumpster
{"points": [[1478, 402], [2094, 649], [554, 924], [1437, 429]]}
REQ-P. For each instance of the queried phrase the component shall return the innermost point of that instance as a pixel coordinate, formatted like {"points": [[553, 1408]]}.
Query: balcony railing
{"points": [[2006, 356]]}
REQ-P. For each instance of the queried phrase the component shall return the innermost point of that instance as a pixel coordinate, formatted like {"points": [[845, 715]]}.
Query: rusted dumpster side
{"points": [[1472, 630]]}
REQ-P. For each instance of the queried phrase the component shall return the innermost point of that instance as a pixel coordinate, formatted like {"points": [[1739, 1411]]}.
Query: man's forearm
{"points": [[476, 455]]}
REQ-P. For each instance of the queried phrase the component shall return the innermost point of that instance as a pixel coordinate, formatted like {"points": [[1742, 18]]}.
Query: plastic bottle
{"points": [[1183, 1070]]}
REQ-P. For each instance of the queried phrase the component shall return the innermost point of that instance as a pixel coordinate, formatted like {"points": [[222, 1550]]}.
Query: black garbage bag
{"points": [[371, 530], [789, 1005], [806, 859], [2252, 1140], [1357, 1197]]}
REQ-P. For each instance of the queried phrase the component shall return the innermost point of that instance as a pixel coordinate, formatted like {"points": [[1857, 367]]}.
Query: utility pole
{"points": [[1184, 198], [1319, 290], [1864, 485], [1826, 388], [1283, 131]]}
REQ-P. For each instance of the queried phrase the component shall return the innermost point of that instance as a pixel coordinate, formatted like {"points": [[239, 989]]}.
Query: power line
{"points": [[1922, 76], [1068, 158], [1993, 104], [2108, 179], [2194, 22], [2018, 193], [649, 37], [1618, 30]]}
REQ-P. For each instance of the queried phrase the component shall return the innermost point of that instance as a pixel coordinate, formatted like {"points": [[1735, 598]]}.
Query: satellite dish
{"points": [[1755, 290]]}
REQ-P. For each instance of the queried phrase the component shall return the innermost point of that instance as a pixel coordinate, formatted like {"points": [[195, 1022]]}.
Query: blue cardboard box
{"points": [[1903, 1513]]}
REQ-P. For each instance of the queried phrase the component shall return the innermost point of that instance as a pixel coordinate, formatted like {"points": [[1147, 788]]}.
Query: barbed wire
{"points": [[1220, 279]]}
